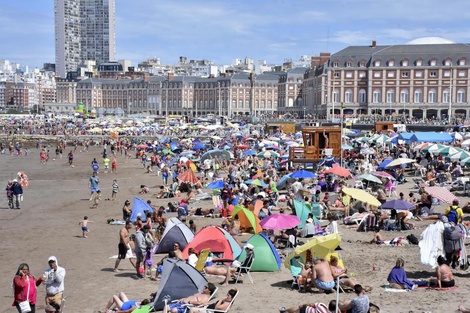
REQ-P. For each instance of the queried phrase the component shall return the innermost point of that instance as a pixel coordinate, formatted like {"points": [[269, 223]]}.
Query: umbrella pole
{"points": [[337, 295]]}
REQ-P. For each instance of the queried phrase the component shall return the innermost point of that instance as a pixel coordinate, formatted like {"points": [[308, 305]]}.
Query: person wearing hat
{"points": [[236, 266], [308, 230], [54, 278]]}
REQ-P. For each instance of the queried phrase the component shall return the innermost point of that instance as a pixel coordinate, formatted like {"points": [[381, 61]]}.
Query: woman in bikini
{"points": [[219, 306], [444, 275]]}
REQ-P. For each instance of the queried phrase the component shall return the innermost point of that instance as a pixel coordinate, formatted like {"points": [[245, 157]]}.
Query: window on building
{"points": [[418, 96], [405, 74], [336, 74], [391, 63], [404, 63], [348, 96], [348, 64], [336, 64], [432, 96], [460, 96], [362, 74], [447, 62], [376, 96], [336, 96], [390, 96], [362, 64], [349, 74], [419, 62], [377, 63], [446, 73], [461, 73], [404, 96], [362, 96], [419, 74], [390, 74], [432, 74], [446, 96], [376, 74], [462, 62]]}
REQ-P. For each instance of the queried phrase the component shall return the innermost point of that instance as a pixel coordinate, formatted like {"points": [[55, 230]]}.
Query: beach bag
{"points": [[453, 216], [412, 239], [452, 239], [24, 305]]}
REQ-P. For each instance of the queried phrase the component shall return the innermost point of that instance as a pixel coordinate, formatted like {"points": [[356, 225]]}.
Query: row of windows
{"points": [[404, 62], [404, 96], [391, 74]]}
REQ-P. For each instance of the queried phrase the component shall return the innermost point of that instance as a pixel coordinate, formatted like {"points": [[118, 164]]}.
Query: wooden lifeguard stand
{"points": [[319, 142], [383, 127]]}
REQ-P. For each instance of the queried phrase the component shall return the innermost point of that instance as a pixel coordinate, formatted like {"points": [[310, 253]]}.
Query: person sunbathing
{"points": [[220, 306], [311, 307], [344, 279], [321, 275], [123, 304], [338, 205], [444, 277], [200, 298], [397, 277]]}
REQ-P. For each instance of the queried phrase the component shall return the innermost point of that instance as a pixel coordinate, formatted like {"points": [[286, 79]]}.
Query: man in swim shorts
{"points": [[321, 275]]}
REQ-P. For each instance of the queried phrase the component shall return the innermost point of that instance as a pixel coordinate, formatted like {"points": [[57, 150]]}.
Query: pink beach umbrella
{"points": [[441, 194], [280, 221]]}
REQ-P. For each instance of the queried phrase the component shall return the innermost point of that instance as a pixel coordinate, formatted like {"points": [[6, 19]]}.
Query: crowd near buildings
{"points": [[425, 78]]}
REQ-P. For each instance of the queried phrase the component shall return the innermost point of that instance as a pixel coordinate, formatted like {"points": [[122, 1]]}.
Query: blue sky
{"points": [[222, 30]]}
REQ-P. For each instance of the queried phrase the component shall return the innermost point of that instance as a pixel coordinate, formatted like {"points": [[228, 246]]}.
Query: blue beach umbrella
{"points": [[303, 174], [218, 184]]}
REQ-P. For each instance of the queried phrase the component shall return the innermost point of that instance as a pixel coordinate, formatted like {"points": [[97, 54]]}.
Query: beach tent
{"points": [[266, 257], [405, 136], [431, 137], [218, 240], [178, 280], [248, 219], [140, 208], [175, 231]]}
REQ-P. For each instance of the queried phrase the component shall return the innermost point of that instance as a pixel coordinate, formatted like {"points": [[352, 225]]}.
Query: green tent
{"points": [[266, 257]]}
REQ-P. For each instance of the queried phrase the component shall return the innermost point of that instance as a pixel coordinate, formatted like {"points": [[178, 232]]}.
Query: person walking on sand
{"points": [[123, 245], [84, 224], [114, 166], [140, 247], [94, 186], [17, 193], [115, 189], [96, 200]]}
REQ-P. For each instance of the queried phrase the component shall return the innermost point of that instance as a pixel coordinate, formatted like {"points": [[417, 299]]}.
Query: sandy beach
{"points": [[58, 197]]}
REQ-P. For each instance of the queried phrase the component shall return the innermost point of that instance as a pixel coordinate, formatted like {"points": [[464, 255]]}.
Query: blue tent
{"points": [[405, 136], [141, 207], [431, 137]]}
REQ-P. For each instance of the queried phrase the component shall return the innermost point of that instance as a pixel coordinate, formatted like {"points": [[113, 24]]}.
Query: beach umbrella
{"points": [[267, 154], [370, 177], [465, 143], [282, 183], [188, 176], [465, 162], [218, 184], [302, 209], [249, 152], [347, 147], [220, 154], [303, 174], [199, 146], [142, 146], [432, 147], [280, 221], [459, 156], [441, 193], [400, 161], [258, 183], [319, 246], [383, 175], [338, 170], [167, 151], [361, 195], [397, 205], [242, 147], [447, 151], [247, 218]]}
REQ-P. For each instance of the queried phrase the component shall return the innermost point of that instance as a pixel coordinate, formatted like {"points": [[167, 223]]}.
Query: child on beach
{"points": [[306, 274], [96, 200], [115, 188], [84, 225], [148, 261]]}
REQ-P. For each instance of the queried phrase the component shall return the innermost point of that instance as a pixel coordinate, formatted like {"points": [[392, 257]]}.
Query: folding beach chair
{"points": [[245, 270], [201, 260], [295, 271], [226, 310]]}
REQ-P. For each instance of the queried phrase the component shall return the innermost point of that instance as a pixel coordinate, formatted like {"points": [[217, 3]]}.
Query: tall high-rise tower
{"points": [[84, 30]]}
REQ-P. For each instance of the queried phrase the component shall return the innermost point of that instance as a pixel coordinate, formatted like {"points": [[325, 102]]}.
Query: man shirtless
{"points": [[196, 299], [321, 275], [123, 245]]}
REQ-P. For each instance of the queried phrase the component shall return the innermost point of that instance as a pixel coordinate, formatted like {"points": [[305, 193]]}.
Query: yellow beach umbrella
{"points": [[319, 247], [400, 161], [361, 195]]}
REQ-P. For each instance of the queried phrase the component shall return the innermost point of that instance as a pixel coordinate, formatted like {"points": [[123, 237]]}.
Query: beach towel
{"points": [[390, 289], [443, 289]]}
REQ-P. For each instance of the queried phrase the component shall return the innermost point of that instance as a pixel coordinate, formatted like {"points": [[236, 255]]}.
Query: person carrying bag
{"points": [[24, 285]]}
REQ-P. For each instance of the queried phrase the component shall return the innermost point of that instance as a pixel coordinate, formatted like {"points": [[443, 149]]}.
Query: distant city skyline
{"points": [[222, 31]]}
